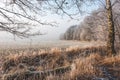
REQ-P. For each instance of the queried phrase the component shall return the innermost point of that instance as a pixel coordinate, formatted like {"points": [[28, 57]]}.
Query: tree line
{"points": [[94, 26]]}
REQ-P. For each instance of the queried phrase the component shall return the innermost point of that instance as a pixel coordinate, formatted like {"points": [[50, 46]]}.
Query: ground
{"points": [[58, 60], [51, 44]]}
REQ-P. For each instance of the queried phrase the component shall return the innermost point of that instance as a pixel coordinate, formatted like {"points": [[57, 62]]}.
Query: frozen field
{"points": [[51, 44]]}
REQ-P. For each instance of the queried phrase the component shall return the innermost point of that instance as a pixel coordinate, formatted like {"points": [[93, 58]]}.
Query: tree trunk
{"points": [[111, 33]]}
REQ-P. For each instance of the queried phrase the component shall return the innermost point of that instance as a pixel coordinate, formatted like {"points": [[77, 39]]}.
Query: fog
{"points": [[51, 33]]}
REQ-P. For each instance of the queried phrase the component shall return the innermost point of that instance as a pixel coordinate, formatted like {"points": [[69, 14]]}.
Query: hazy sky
{"points": [[53, 33]]}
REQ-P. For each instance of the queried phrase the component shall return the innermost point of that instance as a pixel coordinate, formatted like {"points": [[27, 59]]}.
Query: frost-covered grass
{"points": [[50, 44], [81, 61]]}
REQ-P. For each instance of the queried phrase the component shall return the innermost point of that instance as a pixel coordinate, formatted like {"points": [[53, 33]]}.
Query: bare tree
{"points": [[111, 35], [69, 34], [20, 17]]}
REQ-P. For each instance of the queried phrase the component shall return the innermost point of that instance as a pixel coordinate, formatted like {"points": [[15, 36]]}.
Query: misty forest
{"points": [[60, 40]]}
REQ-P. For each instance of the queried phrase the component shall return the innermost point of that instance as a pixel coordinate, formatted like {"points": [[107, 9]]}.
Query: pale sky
{"points": [[53, 33]]}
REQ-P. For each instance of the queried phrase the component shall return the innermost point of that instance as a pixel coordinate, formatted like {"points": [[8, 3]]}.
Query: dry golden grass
{"points": [[84, 64], [86, 68]]}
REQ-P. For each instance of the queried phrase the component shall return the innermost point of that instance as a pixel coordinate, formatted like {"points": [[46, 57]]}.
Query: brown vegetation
{"points": [[69, 64]]}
